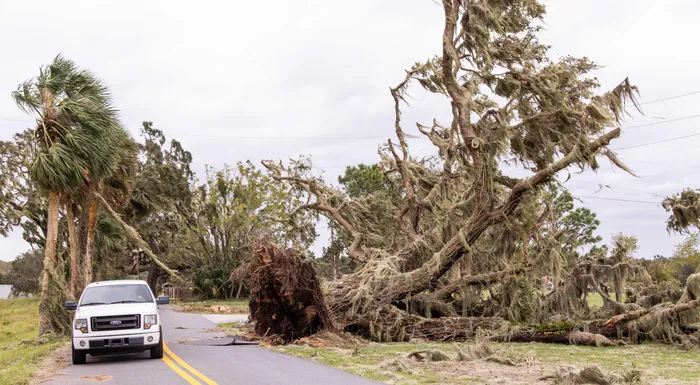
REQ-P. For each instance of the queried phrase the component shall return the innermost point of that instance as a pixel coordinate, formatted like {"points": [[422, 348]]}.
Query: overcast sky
{"points": [[211, 74]]}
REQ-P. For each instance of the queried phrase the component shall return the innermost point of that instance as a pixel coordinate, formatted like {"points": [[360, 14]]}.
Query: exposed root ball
{"points": [[286, 298]]}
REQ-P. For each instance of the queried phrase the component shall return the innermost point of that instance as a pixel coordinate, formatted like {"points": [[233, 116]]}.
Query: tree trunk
{"points": [[334, 265], [154, 272], [240, 288], [568, 338], [74, 250], [91, 227], [52, 317]]}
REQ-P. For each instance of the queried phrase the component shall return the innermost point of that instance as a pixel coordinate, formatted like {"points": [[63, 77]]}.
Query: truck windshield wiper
{"points": [[93, 303], [112, 303]]}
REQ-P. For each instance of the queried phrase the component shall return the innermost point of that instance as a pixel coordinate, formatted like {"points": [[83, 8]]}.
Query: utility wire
{"points": [[277, 137], [669, 164], [604, 185], [664, 122], [670, 98], [657, 142], [616, 199]]}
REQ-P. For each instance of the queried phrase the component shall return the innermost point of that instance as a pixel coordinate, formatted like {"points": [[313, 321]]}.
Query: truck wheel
{"points": [[157, 351], [79, 357]]}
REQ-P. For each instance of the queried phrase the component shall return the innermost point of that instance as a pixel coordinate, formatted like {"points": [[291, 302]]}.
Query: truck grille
{"points": [[116, 322]]}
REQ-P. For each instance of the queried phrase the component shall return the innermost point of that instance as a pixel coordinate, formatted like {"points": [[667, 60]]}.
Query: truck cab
{"points": [[116, 317]]}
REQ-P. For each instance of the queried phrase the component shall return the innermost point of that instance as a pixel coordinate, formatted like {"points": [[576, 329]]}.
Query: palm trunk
{"points": [[74, 251], [52, 318], [91, 227]]}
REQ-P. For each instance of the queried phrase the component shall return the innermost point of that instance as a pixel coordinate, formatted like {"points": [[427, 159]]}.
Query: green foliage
{"points": [[363, 180], [662, 269], [21, 203], [5, 267], [26, 270], [685, 211], [577, 225], [234, 208], [160, 200], [569, 229], [79, 136], [626, 245], [676, 269], [211, 283]]}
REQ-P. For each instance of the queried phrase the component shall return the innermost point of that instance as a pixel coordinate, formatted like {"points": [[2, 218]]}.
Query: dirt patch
{"points": [[52, 365], [485, 372], [331, 339], [242, 331]]}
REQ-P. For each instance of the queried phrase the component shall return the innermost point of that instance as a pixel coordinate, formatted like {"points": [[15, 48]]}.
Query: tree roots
{"points": [[286, 298]]}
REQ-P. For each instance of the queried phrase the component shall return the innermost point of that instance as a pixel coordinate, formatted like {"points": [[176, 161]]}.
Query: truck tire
{"points": [[157, 351], [79, 357]]}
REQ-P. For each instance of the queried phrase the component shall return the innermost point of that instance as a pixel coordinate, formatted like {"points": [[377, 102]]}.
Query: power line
{"points": [[277, 137], [233, 164], [664, 122], [660, 141], [616, 199], [604, 185], [670, 98], [668, 164]]}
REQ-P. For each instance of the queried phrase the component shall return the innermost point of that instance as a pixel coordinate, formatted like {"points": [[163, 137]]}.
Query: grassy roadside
{"points": [[232, 306], [20, 351], [388, 362]]}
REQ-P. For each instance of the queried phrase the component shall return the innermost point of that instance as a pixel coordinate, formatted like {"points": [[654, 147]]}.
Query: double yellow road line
{"points": [[184, 370]]}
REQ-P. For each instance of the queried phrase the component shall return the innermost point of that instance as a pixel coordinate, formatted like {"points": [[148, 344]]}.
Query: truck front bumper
{"points": [[115, 343]]}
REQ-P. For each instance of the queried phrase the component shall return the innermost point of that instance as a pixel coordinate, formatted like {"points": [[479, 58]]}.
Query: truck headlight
{"points": [[81, 324], [149, 320]]}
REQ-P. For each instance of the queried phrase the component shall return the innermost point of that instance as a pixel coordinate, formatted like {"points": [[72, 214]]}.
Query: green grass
{"points": [[20, 352], [659, 364], [231, 306], [595, 300]]}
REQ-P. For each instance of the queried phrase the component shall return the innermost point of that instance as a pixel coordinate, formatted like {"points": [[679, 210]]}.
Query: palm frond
{"points": [[78, 129]]}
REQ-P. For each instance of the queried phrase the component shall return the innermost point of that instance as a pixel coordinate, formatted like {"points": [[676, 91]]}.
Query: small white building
{"points": [[5, 291]]}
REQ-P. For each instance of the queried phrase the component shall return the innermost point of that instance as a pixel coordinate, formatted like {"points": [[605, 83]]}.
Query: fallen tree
{"points": [[466, 237], [286, 298]]}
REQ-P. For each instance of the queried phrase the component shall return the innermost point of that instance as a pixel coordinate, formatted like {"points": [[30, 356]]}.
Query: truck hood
{"points": [[116, 309]]}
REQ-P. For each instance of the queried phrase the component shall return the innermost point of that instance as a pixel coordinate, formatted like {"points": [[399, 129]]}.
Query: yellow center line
{"points": [[181, 372], [184, 364]]}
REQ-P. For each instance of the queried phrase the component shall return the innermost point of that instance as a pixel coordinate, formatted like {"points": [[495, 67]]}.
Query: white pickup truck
{"points": [[115, 317]]}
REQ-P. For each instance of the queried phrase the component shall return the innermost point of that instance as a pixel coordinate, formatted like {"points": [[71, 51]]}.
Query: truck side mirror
{"points": [[70, 305], [164, 300]]}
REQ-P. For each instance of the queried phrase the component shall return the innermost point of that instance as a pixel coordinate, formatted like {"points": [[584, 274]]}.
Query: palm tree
{"points": [[79, 140]]}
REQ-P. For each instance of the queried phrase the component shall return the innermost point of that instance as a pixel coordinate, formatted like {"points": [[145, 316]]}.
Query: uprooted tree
{"points": [[459, 226]]}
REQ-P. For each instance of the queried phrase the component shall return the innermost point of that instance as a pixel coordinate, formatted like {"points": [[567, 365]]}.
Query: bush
{"points": [[26, 270], [211, 283]]}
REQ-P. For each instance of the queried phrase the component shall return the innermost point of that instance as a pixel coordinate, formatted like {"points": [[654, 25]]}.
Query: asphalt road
{"points": [[191, 359]]}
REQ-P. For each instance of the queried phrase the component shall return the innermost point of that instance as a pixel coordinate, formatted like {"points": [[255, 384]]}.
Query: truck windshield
{"points": [[111, 294]]}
